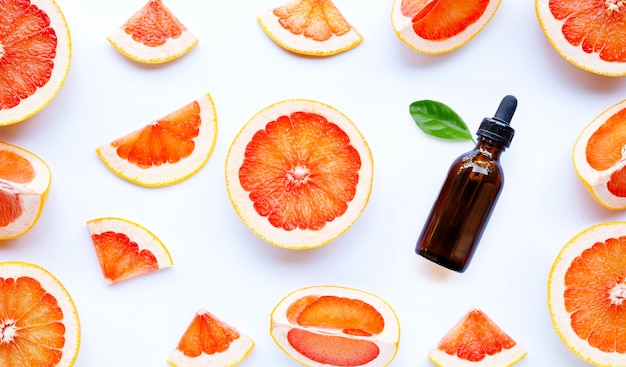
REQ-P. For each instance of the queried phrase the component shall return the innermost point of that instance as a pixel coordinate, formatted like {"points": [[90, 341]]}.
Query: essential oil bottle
{"points": [[459, 215]]}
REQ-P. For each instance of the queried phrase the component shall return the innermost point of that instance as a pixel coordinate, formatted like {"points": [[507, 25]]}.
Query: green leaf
{"points": [[437, 119]]}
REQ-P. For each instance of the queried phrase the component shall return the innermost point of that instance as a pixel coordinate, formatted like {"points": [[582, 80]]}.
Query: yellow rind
{"points": [[303, 243], [550, 285], [9, 117], [151, 55], [29, 268]]}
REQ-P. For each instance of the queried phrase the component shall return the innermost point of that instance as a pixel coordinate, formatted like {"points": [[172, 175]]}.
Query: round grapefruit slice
{"points": [[478, 341], [588, 34], [168, 150], [39, 324], [336, 326], [310, 27], [586, 294], [599, 157], [299, 174], [439, 26], [126, 249], [153, 35], [35, 53], [24, 183], [209, 341]]}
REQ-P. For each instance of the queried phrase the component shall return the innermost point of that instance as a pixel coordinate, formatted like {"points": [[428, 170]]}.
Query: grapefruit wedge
{"points": [[588, 34], [586, 292], [126, 249], [310, 27], [210, 342], [324, 326], [478, 341], [153, 35], [35, 53], [24, 183], [299, 174], [39, 324], [598, 157], [168, 150], [439, 26]]}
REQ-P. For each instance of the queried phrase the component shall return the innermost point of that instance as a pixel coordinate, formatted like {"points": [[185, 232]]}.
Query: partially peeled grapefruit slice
{"points": [[599, 157], [210, 342], [324, 326], [439, 26], [299, 174], [477, 341], [24, 183]]}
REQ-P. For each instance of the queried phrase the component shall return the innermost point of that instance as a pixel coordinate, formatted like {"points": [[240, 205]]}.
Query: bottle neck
{"points": [[490, 147]]}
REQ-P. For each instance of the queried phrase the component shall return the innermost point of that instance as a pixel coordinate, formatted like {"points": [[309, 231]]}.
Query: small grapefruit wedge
{"points": [[35, 53], [210, 342], [299, 174], [586, 293], [126, 249], [588, 34], [153, 35], [168, 150], [599, 159], [336, 326], [439, 26], [476, 340], [24, 183], [39, 324], [310, 27]]}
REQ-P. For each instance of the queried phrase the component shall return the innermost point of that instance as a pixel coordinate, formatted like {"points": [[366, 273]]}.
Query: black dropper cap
{"points": [[498, 128]]}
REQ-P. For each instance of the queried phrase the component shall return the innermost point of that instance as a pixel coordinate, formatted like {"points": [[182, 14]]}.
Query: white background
{"points": [[222, 266]]}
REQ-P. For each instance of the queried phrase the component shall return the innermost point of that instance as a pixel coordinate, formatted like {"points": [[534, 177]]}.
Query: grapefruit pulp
{"points": [[299, 173]]}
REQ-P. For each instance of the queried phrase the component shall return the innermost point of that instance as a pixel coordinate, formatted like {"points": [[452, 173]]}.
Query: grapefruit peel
{"points": [[192, 127], [307, 27], [43, 94], [126, 249], [35, 278], [209, 341], [598, 180], [600, 249], [434, 15], [337, 320], [297, 238], [24, 185], [153, 35]]}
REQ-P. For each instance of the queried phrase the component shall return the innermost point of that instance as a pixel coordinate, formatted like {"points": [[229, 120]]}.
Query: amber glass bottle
{"points": [[459, 215]]}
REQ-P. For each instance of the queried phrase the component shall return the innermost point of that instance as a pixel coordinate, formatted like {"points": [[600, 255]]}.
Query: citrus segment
{"points": [[588, 34], [126, 249], [299, 174], [153, 35], [310, 27], [24, 183], [168, 150], [35, 53], [439, 26], [209, 341], [598, 157], [476, 340], [335, 326], [39, 324], [586, 289]]}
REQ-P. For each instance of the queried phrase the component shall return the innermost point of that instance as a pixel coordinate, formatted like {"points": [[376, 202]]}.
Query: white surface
{"points": [[222, 266]]}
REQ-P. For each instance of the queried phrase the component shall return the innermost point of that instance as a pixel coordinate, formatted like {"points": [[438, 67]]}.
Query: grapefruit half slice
{"points": [[126, 249], [35, 53], [478, 341], [299, 174], [586, 293], [209, 341], [39, 324], [24, 183]]}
